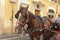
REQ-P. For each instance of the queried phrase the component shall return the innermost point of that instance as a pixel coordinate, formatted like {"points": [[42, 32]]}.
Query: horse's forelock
{"points": [[21, 9]]}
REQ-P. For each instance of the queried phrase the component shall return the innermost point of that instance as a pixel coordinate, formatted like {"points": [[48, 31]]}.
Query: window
{"points": [[51, 11], [37, 12], [37, 6], [50, 16], [54, 1]]}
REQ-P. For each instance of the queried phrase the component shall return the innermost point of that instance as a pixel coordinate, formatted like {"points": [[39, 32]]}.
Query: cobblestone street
{"points": [[13, 37]]}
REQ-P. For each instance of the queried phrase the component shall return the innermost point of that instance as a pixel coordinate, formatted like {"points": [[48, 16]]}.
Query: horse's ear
{"points": [[27, 8], [20, 6]]}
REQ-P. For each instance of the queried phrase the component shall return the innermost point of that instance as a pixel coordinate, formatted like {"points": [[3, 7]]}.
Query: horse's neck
{"points": [[30, 18]]}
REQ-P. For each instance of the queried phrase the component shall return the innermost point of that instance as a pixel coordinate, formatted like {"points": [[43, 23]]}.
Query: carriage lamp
{"points": [[12, 2]]}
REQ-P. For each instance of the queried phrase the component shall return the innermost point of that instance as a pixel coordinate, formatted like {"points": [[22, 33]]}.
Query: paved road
{"points": [[14, 37], [17, 37]]}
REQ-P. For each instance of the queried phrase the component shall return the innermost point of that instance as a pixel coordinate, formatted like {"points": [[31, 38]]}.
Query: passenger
{"points": [[58, 19]]}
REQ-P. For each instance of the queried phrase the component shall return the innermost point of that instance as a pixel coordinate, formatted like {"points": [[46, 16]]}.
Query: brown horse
{"points": [[35, 24], [21, 27]]}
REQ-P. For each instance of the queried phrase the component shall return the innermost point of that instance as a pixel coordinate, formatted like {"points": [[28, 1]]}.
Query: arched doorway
{"points": [[37, 12], [37, 8]]}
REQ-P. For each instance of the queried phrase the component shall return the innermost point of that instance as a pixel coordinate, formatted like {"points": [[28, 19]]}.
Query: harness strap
{"points": [[35, 30]]}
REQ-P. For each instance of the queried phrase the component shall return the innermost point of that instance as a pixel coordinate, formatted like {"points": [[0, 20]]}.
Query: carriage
{"points": [[37, 26]]}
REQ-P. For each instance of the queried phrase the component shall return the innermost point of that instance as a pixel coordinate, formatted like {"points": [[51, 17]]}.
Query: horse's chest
{"points": [[22, 19]]}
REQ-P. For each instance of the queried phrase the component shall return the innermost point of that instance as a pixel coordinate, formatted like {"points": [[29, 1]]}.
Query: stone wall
{"points": [[1, 16]]}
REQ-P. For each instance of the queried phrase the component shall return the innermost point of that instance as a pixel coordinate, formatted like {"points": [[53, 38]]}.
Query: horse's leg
{"points": [[45, 37], [31, 37], [37, 37]]}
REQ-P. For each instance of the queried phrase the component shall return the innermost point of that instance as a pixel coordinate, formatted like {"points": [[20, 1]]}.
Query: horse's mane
{"points": [[31, 14]]}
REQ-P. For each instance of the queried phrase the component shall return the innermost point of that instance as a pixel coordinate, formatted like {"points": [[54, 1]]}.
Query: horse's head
{"points": [[47, 22], [23, 10]]}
